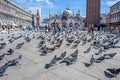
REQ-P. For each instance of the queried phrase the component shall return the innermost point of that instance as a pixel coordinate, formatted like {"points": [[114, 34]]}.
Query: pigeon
{"points": [[73, 60], [3, 69], [33, 36], [88, 50], [8, 36], [100, 59], [68, 44], [1, 47], [109, 56], [77, 41], [58, 45], [92, 60], [114, 71], [99, 51], [48, 39], [62, 55], [53, 62], [14, 61], [42, 47], [11, 40], [38, 37], [49, 50], [19, 45], [70, 40], [66, 60], [13, 34], [106, 47], [3, 44], [83, 42], [27, 39], [42, 42], [116, 42], [10, 52], [69, 60], [75, 53], [74, 46], [2, 56], [44, 52], [1, 39]]}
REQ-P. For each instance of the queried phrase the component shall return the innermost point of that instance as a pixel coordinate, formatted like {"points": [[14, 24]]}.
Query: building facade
{"points": [[103, 18], [93, 12], [67, 19], [113, 18], [13, 15]]}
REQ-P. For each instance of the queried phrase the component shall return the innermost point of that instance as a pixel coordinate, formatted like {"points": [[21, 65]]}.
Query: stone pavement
{"points": [[32, 64]]}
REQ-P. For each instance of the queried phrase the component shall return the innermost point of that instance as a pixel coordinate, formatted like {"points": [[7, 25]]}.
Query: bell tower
{"points": [[37, 18], [93, 12]]}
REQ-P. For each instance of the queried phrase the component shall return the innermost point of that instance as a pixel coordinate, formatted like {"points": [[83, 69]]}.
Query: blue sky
{"points": [[53, 6]]}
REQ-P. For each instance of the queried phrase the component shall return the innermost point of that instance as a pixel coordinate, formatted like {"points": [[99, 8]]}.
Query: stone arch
{"points": [[64, 18], [71, 24], [76, 24], [64, 23]]}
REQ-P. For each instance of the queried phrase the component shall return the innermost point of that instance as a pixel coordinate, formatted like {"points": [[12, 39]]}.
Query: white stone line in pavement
{"points": [[58, 76], [85, 73], [28, 59], [110, 64], [47, 70]]}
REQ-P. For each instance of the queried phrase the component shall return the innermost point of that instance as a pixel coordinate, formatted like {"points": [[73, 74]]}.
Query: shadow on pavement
{"points": [[108, 75]]}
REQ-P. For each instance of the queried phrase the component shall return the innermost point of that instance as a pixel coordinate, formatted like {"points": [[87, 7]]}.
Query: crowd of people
{"points": [[106, 29], [59, 27]]}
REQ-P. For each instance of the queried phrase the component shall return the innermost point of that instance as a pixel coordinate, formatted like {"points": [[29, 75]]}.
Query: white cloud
{"points": [[48, 2], [41, 3], [110, 3]]}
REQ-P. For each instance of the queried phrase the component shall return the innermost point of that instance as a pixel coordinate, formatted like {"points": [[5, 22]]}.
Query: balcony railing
{"points": [[115, 12], [15, 15]]}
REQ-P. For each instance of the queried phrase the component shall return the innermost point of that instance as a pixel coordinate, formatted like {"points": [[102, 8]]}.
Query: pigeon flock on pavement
{"points": [[101, 42]]}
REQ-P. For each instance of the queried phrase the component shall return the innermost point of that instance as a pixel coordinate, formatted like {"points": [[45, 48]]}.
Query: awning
{"points": [[4, 23], [13, 24]]}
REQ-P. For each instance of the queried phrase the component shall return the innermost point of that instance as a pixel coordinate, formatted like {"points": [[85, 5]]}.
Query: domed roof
{"points": [[59, 13], [68, 12], [78, 14]]}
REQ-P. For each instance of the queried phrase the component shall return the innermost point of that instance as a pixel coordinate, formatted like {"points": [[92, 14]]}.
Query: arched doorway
{"points": [[71, 24], [64, 23], [64, 18], [76, 25]]}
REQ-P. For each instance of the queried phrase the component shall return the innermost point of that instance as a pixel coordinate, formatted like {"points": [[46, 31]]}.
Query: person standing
{"points": [[46, 29], [92, 29], [8, 29], [60, 27], [54, 28]]}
